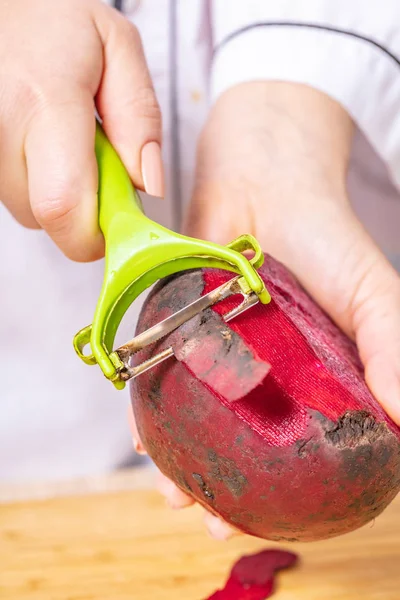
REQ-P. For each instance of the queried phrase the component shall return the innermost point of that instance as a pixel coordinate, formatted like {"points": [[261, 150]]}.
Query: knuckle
{"points": [[29, 100], [131, 32], [19, 99], [55, 211], [145, 102], [57, 214]]}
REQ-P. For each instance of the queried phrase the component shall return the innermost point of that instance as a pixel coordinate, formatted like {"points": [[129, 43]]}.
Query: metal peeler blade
{"points": [[160, 330]]}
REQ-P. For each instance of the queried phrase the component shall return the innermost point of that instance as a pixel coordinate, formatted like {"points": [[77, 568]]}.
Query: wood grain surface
{"points": [[127, 545]]}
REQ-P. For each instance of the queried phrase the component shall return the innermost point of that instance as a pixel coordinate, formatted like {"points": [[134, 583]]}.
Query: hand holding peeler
{"points": [[139, 252]]}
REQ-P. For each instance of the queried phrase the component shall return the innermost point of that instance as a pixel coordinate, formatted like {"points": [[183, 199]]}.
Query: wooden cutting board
{"points": [[127, 545]]}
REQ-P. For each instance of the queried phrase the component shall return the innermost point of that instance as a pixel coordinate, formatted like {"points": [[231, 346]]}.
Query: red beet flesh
{"points": [[307, 453], [253, 576]]}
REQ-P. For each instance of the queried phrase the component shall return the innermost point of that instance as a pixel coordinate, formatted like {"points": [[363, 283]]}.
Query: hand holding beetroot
{"points": [[280, 173]]}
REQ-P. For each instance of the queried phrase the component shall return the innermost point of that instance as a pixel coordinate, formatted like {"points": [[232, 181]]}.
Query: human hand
{"points": [[272, 161], [59, 61]]}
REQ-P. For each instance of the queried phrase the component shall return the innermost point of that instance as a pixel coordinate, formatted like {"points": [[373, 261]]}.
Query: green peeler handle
{"points": [[139, 252], [116, 192]]}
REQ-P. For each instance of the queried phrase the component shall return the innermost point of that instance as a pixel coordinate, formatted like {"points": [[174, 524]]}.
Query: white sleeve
{"points": [[349, 49]]}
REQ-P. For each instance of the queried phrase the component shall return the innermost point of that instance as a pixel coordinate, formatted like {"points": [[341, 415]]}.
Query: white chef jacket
{"points": [[60, 418]]}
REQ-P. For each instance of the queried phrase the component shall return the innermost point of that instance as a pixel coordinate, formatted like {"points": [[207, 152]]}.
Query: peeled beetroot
{"points": [[305, 452]]}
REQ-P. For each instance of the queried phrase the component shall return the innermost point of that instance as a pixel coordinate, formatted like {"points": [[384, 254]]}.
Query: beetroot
{"points": [[306, 454]]}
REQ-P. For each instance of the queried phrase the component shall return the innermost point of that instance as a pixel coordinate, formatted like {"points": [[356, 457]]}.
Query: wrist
{"points": [[298, 128]]}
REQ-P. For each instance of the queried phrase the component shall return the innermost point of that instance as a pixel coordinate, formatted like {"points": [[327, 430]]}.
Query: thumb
{"points": [[127, 103], [340, 265], [374, 311], [348, 275]]}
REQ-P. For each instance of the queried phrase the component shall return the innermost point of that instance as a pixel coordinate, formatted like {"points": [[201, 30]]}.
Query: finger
{"points": [[127, 103], [375, 310], [354, 282], [137, 443], [218, 529], [62, 172], [174, 496], [14, 189], [13, 173]]}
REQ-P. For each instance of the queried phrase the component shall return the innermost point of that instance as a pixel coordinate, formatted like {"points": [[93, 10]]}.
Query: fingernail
{"points": [[152, 169], [139, 449]]}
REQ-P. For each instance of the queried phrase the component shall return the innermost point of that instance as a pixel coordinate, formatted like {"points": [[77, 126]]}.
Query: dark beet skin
{"points": [[307, 454]]}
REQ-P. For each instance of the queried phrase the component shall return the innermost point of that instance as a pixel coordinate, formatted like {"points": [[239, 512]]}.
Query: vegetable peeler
{"points": [[138, 253]]}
